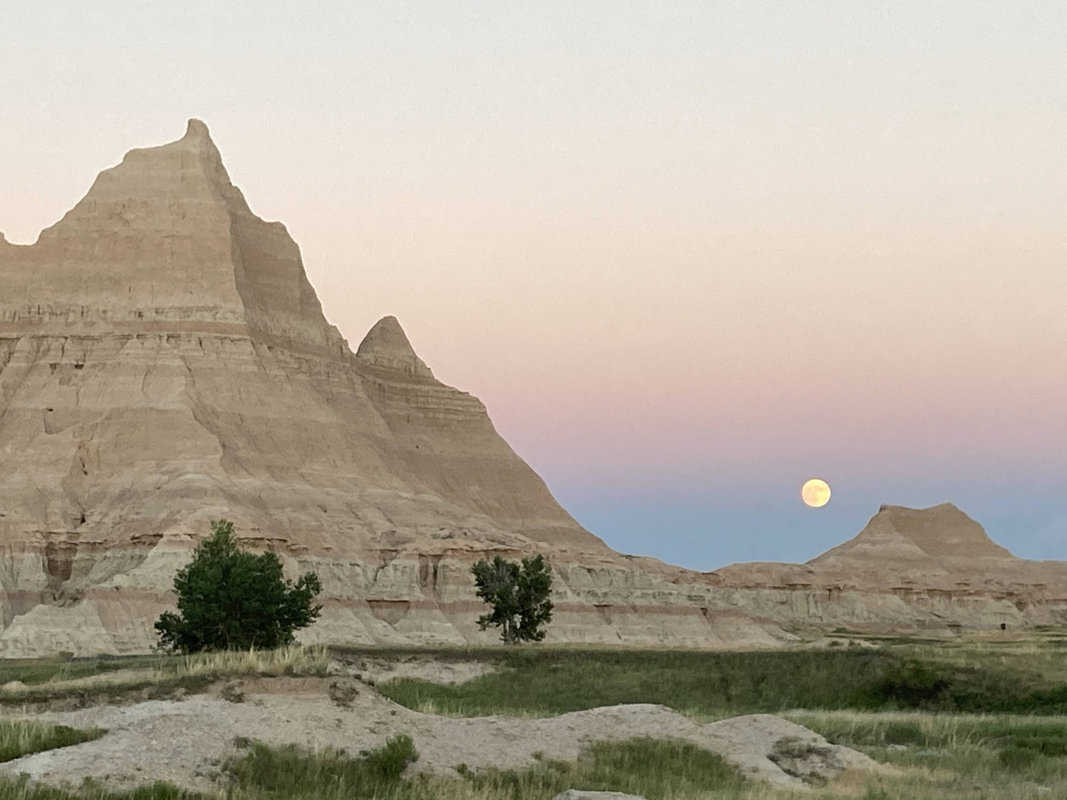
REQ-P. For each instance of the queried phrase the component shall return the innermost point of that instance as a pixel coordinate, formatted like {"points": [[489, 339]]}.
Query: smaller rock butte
{"points": [[165, 361], [934, 569]]}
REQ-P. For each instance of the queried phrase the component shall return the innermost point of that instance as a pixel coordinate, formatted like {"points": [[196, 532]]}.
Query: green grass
{"points": [[649, 767], [40, 670], [553, 681], [954, 756], [153, 677], [653, 768], [152, 688], [957, 720], [291, 772], [20, 738], [935, 731], [544, 682], [23, 790]]}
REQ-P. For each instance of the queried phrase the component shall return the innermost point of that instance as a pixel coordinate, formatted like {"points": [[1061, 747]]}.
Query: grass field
{"points": [[956, 720], [656, 769], [544, 681], [954, 756], [640, 766], [49, 680], [18, 738]]}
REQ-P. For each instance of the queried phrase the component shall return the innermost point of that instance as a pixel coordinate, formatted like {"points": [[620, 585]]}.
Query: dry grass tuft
{"points": [[159, 674], [295, 660]]}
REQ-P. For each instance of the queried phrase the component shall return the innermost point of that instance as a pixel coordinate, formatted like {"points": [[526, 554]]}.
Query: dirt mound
{"points": [[186, 742]]}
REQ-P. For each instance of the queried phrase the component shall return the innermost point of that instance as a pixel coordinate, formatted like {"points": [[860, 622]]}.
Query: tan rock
{"points": [[933, 568], [164, 361], [772, 749]]}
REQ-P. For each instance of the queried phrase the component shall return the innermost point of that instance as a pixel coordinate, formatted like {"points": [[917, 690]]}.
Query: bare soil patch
{"points": [[187, 741], [421, 667]]}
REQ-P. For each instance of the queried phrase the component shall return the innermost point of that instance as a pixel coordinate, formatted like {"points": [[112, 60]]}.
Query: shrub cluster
{"points": [[231, 599]]}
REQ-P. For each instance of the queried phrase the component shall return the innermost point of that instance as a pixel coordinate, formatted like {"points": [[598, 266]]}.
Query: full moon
{"points": [[815, 493]]}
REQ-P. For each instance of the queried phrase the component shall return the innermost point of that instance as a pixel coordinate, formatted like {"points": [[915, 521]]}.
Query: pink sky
{"points": [[714, 247]]}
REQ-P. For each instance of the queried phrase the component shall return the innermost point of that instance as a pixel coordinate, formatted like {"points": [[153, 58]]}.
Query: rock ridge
{"points": [[164, 241], [165, 361]]}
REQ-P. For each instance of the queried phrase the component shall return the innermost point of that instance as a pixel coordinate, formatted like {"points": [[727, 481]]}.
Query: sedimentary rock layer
{"points": [[164, 361], [933, 568]]}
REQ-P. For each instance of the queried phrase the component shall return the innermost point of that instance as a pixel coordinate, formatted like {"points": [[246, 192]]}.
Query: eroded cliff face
{"points": [[164, 361]]}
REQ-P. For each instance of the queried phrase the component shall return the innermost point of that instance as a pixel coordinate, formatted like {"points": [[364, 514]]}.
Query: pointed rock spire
{"points": [[387, 346], [196, 129], [198, 138], [168, 226]]}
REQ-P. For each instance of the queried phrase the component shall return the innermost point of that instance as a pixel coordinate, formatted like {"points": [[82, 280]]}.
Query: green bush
{"points": [[912, 684], [1017, 758], [230, 599], [518, 595]]}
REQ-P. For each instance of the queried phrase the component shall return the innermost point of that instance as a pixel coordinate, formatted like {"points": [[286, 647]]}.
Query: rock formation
{"points": [[933, 568], [164, 361]]}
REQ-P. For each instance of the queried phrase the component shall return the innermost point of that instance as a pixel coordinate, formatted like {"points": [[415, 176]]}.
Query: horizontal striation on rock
{"points": [[164, 361]]}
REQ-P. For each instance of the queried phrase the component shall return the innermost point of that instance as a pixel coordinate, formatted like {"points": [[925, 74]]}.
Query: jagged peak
{"points": [[386, 345], [196, 129], [196, 140], [171, 209]]}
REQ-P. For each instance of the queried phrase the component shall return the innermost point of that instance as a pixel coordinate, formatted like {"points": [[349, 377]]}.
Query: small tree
{"points": [[230, 599], [518, 595]]}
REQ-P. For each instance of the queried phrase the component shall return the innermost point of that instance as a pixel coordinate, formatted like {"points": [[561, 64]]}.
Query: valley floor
{"points": [[967, 718]]}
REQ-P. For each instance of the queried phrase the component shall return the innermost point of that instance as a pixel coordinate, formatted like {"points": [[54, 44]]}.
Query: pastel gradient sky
{"points": [[688, 257]]}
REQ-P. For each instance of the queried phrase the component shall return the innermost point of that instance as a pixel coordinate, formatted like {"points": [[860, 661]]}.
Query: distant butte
{"points": [[164, 361]]}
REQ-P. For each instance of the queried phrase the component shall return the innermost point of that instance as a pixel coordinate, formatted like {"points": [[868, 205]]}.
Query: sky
{"points": [[688, 254]]}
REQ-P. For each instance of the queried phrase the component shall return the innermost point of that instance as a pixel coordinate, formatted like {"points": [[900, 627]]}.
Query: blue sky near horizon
{"points": [[705, 533], [688, 255]]}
